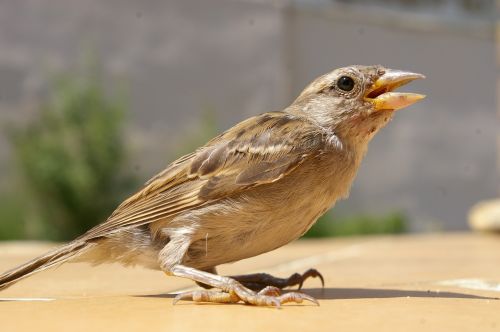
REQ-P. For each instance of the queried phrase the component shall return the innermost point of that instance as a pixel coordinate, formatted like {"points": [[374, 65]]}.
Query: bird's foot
{"points": [[268, 296], [258, 281], [232, 291]]}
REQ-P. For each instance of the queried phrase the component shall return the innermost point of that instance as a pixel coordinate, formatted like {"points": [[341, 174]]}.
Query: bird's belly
{"points": [[250, 236], [244, 230]]}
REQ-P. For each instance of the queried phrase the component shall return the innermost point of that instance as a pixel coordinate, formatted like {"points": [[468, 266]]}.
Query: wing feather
{"points": [[257, 151]]}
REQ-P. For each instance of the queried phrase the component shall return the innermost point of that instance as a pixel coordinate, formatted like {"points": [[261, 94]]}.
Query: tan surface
{"points": [[372, 284]]}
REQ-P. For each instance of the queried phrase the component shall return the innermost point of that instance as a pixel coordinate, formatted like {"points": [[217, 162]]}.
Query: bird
{"points": [[253, 188]]}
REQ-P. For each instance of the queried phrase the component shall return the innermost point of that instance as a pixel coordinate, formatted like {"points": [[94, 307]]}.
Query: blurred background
{"points": [[97, 96]]}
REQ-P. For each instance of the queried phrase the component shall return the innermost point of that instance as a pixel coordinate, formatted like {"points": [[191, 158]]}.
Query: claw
{"points": [[182, 296], [276, 303], [297, 297], [310, 299], [311, 273]]}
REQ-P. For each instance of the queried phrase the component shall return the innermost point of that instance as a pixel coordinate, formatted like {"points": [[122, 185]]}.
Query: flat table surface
{"points": [[438, 282]]}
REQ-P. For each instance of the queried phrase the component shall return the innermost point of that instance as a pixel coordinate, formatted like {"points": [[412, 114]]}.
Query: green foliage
{"points": [[71, 158], [327, 225], [11, 217]]}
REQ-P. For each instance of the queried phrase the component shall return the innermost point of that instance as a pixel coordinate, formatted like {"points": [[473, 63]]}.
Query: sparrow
{"points": [[254, 188]]}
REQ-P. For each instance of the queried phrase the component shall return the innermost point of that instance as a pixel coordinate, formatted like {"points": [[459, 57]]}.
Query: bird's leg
{"points": [[210, 270], [258, 281], [231, 290]]}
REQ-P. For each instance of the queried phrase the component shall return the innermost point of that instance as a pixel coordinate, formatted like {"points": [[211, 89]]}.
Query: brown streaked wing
{"points": [[256, 151], [168, 192], [260, 150]]}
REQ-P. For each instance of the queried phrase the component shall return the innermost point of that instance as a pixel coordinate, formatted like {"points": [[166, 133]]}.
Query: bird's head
{"points": [[356, 101]]}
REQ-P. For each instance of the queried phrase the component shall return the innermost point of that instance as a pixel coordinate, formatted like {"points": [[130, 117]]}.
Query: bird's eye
{"points": [[345, 83]]}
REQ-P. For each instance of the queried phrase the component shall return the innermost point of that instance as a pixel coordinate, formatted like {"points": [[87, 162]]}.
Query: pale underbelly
{"points": [[234, 237]]}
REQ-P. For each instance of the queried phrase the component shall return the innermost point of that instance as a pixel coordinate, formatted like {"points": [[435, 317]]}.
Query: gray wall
{"points": [[241, 58]]}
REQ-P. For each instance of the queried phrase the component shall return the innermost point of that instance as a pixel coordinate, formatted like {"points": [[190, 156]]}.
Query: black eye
{"points": [[345, 83]]}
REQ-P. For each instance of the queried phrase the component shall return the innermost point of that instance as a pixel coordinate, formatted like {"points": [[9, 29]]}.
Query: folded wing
{"points": [[257, 151]]}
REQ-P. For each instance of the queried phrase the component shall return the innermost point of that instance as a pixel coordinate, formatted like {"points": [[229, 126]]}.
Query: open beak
{"points": [[381, 92]]}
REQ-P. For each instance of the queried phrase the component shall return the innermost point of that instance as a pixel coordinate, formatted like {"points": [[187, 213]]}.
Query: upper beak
{"points": [[381, 95]]}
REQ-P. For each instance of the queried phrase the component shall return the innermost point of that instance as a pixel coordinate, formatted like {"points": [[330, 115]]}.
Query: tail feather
{"points": [[48, 260]]}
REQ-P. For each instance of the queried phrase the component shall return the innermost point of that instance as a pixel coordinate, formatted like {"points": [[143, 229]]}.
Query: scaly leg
{"points": [[210, 270], [231, 290]]}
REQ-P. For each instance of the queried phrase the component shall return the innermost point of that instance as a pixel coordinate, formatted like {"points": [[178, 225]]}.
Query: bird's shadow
{"points": [[367, 293], [353, 293]]}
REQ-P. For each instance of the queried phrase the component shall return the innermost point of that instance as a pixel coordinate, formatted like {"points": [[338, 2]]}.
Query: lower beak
{"points": [[381, 92]]}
